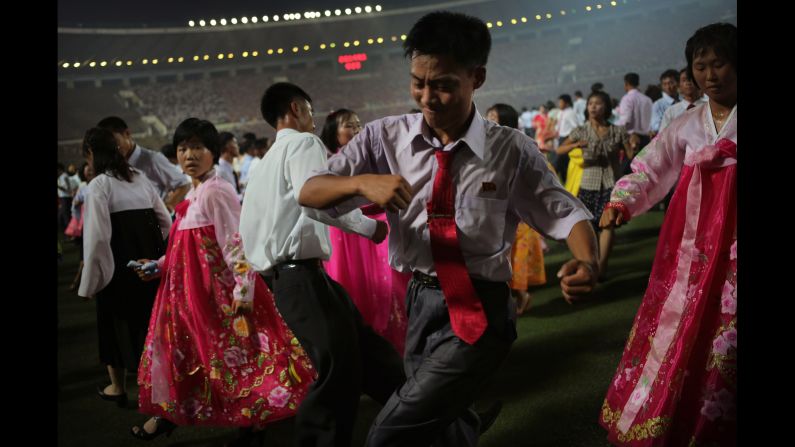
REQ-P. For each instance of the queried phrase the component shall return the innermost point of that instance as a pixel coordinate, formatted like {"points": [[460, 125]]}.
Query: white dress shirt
{"points": [[579, 108], [676, 110], [164, 176], [273, 226], [500, 178], [567, 121]]}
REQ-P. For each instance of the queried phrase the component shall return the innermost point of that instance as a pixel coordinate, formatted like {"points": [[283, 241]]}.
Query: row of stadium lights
{"points": [[287, 17], [221, 56], [323, 46], [548, 15]]}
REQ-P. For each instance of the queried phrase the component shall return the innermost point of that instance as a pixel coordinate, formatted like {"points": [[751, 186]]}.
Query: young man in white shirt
{"points": [[455, 187], [692, 96], [669, 82], [286, 243], [567, 121], [579, 107], [229, 150]]}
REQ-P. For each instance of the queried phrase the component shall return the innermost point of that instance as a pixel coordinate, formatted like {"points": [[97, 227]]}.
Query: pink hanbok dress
{"points": [[676, 382], [378, 291], [203, 364]]}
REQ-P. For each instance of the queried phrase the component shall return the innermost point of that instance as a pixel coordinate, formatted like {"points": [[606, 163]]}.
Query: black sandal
{"points": [[163, 426], [120, 399]]}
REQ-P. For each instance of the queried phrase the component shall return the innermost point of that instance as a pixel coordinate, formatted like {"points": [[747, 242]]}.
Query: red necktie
{"points": [[467, 317]]}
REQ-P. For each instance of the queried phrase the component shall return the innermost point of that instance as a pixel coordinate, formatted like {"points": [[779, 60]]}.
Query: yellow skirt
{"points": [[527, 259], [574, 174]]}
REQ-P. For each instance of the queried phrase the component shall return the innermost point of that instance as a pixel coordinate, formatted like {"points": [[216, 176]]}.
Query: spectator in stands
{"points": [[229, 150], [691, 95], [579, 107], [635, 116], [566, 123], [669, 81], [170, 183]]}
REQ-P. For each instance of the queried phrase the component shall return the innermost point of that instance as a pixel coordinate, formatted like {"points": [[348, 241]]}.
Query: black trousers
{"points": [[444, 373], [64, 212], [349, 357], [561, 163]]}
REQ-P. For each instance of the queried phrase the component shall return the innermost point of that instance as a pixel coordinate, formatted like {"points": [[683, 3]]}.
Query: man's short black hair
{"points": [[632, 79], [261, 143], [204, 130], [224, 138], [670, 73], [566, 98], [719, 37], [277, 99], [597, 87], [578, 94], [465, 38], [169, 151], [113, 124]]}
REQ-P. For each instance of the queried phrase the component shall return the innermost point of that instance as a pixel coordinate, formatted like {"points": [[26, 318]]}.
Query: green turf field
{"points": [[552, 383]]}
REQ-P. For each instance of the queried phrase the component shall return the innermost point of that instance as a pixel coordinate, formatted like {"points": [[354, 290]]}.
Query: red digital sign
{"points": [[352, 62]]}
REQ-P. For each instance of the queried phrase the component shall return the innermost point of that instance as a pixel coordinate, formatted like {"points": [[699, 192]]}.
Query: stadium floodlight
{"points": [[587, 8], [254, 19], [538, 17], [202, 22], [255, 53], [598, 6], [206, 57], [337, 12], [181, 59], [195, 58], [549, 16], [76, 65], [358, 9], [287, 16], [524, 19], [270, 50], [563, 13], [489, 25], [368, 9], [308, 15], [233, 21], [264, 18], [327, 13], [348, 11], [230, 55], [280, 50], [370, 41], [380, 40], [346, 44], [332, 45], [394, 38], [118, 63], [223, 22], [356, 43], [613, 3], [275, 18], [244, 20], [322, 46], [513, 22], [170, 60], [499, 22], [129, 63], [245, 54], [402, 37], [145, 61], [212, 22], [103, 63], [378, 8], [306, 47], [92, 64], [154, 61], [191, 23]]}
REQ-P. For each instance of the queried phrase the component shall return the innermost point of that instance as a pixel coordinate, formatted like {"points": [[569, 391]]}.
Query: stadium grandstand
{"points": [[217, 67]]}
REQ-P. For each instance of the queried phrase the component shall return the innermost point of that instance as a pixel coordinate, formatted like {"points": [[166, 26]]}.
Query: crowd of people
{"points": [[248, 281]]}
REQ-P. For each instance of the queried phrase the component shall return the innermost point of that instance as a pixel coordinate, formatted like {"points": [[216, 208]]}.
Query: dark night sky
{"points": [[136, 13]]}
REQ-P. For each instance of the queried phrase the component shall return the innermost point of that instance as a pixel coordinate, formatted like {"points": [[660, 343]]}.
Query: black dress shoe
{"points": [[120, 399], [488, 417]]}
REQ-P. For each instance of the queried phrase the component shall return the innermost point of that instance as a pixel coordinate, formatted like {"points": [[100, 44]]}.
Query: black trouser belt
{"points": [[432, 282]]}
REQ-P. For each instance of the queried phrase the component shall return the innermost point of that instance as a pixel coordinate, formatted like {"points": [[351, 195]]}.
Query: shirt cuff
{"points": [[564, 225]]}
